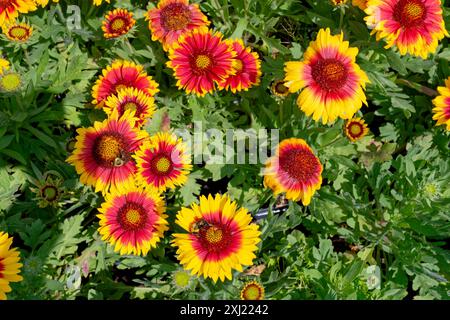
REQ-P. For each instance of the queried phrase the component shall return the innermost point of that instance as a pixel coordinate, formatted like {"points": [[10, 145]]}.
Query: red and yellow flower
{"points": [[99, 2], [132, 99], [441, 110], [4, 65], [355, 129], [19, 32], [10, 9], [362, 4], [331, 82], [200, 60], [132, 220], [247, 68], [173, 18], [413, 26], [219, 238], [121, 75], [9, 265], [294, 170], [338, 2], [117, 23], [43, 3], [252, 290], [103, 153], [163, 162]]}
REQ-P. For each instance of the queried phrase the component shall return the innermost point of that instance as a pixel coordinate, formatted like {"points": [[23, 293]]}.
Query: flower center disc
{"points": [[330, 74], [132, 217], [202, 61], [118, 24], [10, 82], [239, 65], [49, 193], [175, 16], [108, 148], [281, 88], [132, 106], [355, 129], [161, 164], [215, 238], [300, 165], [18, 33], [214, 235], [252, 292], [410, 13]]}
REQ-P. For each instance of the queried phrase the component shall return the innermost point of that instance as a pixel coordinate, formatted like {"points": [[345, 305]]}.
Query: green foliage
{"points": [[383, 208]]}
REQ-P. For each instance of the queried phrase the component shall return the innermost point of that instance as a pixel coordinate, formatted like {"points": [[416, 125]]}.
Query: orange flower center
{"points": [[118, 24], [239, 65], [300, 164], [18, 32], [213, 235], [132, 216], [252, 291], [410, 13], [175, 16], [202, 61], [330, 74], [120, 87], [214, 238], [109, 150], [162, 164]]}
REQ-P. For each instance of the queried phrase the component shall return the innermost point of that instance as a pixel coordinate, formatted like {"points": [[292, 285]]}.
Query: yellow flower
{"points": [[9, 265], [355, 129], [252, 290], [330, 81], [219, 237], [441, 111]]}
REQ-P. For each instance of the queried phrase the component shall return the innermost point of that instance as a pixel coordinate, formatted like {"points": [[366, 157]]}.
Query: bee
{"points": [[121, 159], [199, 225]]}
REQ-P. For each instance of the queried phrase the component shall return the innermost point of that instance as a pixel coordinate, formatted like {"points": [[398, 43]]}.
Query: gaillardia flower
{"points": [[10, 9], [220, 237], [279, 89], [332, 83], [295, 170], [4, 65], [182, 279], [252, 290], [43, 3], [103, 153], [355, 129], [134, 100], [163, 162], [132, 220], [200, 59], [121, 75], [173, 18], [117, 23], [362, 4], [9, 265], [414, 26], [338, 2], [19, 32], [99, 2], [441, 110], [10, 82], [247, 68]]}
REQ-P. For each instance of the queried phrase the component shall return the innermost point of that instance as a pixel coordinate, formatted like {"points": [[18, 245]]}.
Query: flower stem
{"points": [[417, 86]]}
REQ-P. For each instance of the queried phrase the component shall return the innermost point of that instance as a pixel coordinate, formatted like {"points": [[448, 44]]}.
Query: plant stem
{"points": [[417, 86]]}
